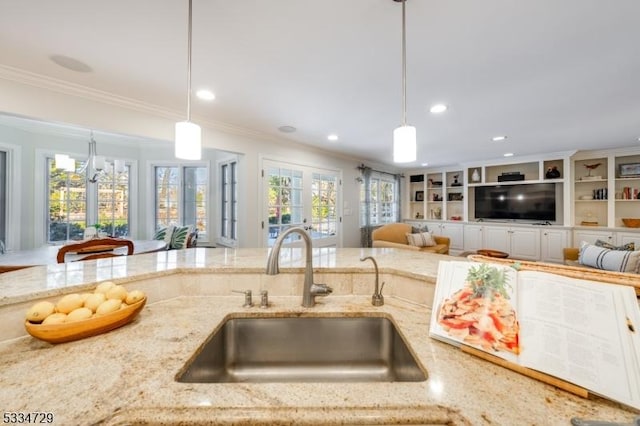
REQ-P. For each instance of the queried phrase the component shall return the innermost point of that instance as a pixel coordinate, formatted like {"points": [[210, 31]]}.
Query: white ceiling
{"points": [[551, 75]]}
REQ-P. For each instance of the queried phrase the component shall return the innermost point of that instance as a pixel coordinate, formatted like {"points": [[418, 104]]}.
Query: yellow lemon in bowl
{"points": [[68, 303], [134, 296], [94, 300], [108, 306], [57, 318], [40, 311], [79, 314], [104, 287], [117, 292]]}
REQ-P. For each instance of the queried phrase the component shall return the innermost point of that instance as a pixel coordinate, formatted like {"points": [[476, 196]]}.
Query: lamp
{"points": [[404, 137], [65, 163], [188, 135], [97, 164]]}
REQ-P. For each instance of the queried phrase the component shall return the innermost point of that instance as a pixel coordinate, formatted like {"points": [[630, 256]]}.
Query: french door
{"points": [[303, 196]]}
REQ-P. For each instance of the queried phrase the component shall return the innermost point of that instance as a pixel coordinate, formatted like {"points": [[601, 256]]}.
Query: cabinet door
{"points": [[580, 235], [525, 243], [552, 242], [497, 238], [455, 232], [473, 237], [628, 237]]}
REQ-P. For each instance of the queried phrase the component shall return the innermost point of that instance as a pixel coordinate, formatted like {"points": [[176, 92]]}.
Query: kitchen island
{"points": [[127, 376]]}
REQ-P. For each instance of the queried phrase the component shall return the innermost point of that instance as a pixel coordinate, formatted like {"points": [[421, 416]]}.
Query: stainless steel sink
{"points": [[303, 349]]}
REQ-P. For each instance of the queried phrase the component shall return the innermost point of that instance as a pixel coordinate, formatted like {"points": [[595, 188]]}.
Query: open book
{"points": [[583, 332]]}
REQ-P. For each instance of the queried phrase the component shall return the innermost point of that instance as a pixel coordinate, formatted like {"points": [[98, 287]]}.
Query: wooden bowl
{"points": [[67, 332], [631, 222]]}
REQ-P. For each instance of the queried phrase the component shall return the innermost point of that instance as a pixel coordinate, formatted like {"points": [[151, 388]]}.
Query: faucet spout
{"points": [[310, 289], [377, 299]]}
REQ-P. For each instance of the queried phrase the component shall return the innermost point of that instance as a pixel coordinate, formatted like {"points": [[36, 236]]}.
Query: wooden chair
{"points": [[96, 248]]}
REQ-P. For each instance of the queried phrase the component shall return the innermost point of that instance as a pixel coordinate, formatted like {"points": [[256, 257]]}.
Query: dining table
{"points": [[46, 255]]}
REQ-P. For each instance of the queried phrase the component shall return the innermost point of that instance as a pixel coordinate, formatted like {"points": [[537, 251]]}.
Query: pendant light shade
{"points": [[188, 142], [404, 137], [404, 144]]}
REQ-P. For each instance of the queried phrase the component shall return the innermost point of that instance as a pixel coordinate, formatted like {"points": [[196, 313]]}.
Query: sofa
{"points": [[394, 235], [604, 256]]}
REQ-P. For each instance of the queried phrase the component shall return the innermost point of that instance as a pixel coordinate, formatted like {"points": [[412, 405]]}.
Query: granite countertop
{"points": [[127, 376]]}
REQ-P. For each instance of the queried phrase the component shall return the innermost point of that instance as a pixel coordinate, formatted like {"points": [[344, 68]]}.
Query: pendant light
{"points": [[404, 137], [188, 135]]}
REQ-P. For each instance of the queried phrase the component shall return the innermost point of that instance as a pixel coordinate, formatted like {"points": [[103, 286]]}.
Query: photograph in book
{"points": [[477, 307], [580, 331]]}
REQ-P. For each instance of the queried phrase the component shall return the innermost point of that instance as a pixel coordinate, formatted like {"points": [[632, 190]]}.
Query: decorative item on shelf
{"points": [[435, 182], [589, 220], [510, 177], [629, 170], [419, 195], [419, 215], [589, 168], [600, 194], [437, 197], [436, 213], [455, 181], [631, 222], [552, 172], [456, 217], [416, 178], [455, 196], [475, 176], [628, 193]]}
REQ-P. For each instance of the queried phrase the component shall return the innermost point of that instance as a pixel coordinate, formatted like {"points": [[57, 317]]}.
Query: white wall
{"points": [[113, 115]]}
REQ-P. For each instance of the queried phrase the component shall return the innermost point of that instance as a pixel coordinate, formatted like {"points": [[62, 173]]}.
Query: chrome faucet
{"points": [[377, 299], [310, 290]]}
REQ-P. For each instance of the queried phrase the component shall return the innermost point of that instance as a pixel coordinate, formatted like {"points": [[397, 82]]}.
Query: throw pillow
{"points": [[164, 234], [423, 239], [179, 237], [419, 229], [629, 246], [607, 259]]}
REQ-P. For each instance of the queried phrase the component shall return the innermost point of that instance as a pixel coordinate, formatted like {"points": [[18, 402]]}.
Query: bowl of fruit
{"points": [[76, 316]]}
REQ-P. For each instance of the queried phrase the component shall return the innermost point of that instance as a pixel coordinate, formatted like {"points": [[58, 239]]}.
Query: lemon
{"points": [[94, 300], [79, 314], [84, 296], [134, 297], [40, 311], [104, 287], [117, 292], [57, 318], [68, 303], [108, 306]]}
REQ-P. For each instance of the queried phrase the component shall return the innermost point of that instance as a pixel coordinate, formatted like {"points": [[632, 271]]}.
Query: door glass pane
{"points": [[324, 220], [285, 205]]}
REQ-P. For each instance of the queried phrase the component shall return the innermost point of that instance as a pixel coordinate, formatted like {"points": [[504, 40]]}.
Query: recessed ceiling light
{"points": [[438, 108], [205, 95], [70, 63], [509, 154], [424, 164], [287, 129], [498, 138], [332, 137]]}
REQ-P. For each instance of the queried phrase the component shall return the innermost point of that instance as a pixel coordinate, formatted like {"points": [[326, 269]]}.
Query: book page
{"points": [[474, 304], [577, 331]]}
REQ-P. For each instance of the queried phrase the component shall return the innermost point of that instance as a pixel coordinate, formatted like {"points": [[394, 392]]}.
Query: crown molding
{"points": [[71, 89]]}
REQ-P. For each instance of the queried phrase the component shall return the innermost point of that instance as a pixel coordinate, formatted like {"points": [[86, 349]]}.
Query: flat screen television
{"points": [[535, 201]]}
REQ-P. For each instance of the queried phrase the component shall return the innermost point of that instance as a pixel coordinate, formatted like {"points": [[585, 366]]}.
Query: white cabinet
{"points": [[590, 236], [628, 237], [455, 232], [552, 241], [473, 237], [520, 243]]}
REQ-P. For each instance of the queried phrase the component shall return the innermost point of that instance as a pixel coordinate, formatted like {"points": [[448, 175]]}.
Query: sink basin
{"points": [[303, 349]]}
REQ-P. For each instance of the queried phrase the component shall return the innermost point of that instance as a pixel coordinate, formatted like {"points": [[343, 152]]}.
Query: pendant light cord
{"points": [[404, 67], [189, 64]]}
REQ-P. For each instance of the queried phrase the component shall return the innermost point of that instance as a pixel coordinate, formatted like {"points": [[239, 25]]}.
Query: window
{"points": [[229, 201], [181, 197], [113, 202], [380, 202], [3, 196], [71, 199], [67, 204]]}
